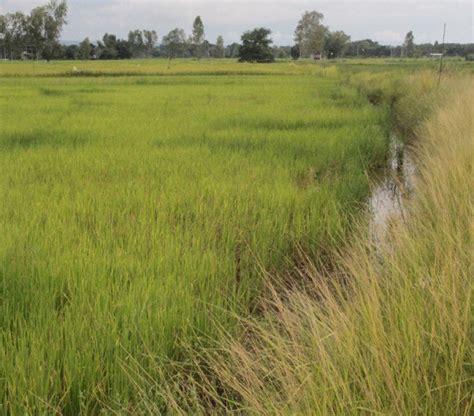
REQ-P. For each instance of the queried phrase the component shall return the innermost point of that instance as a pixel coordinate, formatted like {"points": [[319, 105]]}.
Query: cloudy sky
{"points": [[386, 21]]}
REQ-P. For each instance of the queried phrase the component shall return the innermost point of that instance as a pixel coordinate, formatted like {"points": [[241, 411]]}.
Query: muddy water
{"points": [[390, 194]]}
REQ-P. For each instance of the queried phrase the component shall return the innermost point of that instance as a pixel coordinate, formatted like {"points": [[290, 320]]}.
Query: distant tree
{"points": [[54, 18], [409, 44], [175, 43], [256, 46], [71, 52], [336, 44], [14, 28], [35, 30], [113, 48], [232, 50], [281, 52], [198, 37], [36, 34], [295, 52], [206, 48], [85, 49], [310, 34], [136, 43], [220, 49], [369, 48], [151, 39], [108, 49], [124, 49]]}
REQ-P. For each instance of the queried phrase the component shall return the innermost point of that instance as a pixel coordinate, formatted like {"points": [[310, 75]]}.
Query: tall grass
{"points": [[390, 330]]}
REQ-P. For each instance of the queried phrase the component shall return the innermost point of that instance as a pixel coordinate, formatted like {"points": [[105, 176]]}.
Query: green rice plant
{"points": [[137, 212]]}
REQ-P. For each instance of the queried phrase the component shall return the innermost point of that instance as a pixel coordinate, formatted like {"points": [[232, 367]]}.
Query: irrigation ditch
{"points": [[392, 190]]}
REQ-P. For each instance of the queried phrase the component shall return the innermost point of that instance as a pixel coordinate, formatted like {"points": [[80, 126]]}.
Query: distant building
{"points": [[436, 55], [25, 56]]}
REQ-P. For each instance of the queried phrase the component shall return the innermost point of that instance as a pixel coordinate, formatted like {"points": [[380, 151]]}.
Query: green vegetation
{"points": [[388, 330], [256, 46], [137, 212]]}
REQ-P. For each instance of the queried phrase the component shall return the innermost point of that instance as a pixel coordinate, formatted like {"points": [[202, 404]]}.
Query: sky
{"points": [[386, 21]]}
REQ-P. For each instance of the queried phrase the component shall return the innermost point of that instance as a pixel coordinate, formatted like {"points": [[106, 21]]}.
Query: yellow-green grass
{"points": [[146, 67], [220, 67], [389, 331], [137, 212], [404, 65]]}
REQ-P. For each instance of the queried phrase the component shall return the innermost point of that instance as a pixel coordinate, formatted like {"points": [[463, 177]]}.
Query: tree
{"points": [[295, 52], [136, 43], [310, 34], [256, 46], [151, 39], [123, 49], [206, 49], [281, 52], [336, 43], [368, 48], [232, 50], [54, 20], [35, 26], [175, 42], [71, 52], [409, 44], [15, 33], [108, 49], [220, 49], [85, 49], [37, 33], [198, 36]]}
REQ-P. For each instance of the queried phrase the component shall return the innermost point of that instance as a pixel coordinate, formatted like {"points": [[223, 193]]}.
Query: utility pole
{"points": [[442, 55]]}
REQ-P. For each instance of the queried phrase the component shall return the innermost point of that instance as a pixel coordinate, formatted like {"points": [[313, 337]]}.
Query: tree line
{"points": [[36, 36]]}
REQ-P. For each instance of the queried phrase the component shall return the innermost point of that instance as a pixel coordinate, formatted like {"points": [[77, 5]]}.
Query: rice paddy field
{"points": [[142, 201]]}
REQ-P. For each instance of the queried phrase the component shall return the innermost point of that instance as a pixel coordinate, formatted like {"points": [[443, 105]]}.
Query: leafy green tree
{"points": [[108, 49], [15, 35], [136, 43], [220, 49], [336, 44], [71, 52], [368, 47], [124, 50], [54, 20], [295, 52], [281, 52], [310, 34], [37, 33], [151, 39], [175, 43], [198, 37], [256, 46], [35, 29], [409, 44], [232, 50], [85, 49]]}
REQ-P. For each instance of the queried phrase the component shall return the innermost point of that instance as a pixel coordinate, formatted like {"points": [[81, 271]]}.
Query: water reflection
{"points": [[387, 203]]}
